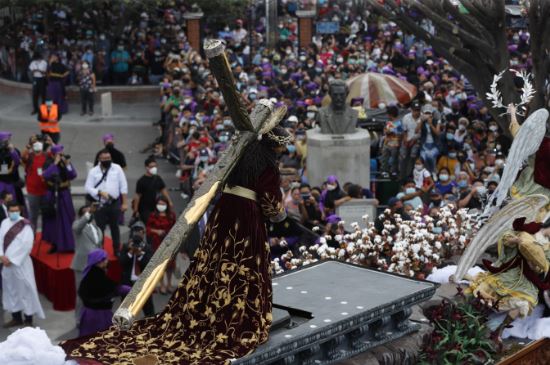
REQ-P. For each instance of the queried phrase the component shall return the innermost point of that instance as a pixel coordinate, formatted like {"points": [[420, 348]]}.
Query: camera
{"points": [[137, 242]]}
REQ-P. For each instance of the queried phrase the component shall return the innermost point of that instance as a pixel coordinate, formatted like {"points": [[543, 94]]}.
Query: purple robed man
{"points": [[56, 229], [97, 292]]}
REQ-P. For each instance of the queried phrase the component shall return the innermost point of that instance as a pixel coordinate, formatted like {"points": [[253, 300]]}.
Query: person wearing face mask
{"points": [[291, 159], [87, 237], [120, 64], [449, 161], [134, 258], [410, 195], [422, 177], [475, 197], [57, 208], [461, 131], [332, 196], [87, 84], [148, 188], [19, 293], [116, 155], [409, 146], [33, 159], [445, 183], [49, 116], [105, 184]]}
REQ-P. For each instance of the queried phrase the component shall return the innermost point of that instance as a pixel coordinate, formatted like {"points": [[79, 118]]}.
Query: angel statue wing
{"points": [[493, 228], [526, 142]]}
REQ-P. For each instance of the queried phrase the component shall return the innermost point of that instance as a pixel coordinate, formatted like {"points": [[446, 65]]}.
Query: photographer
{"points": [[429, 130], [57, 209], [88, 237], [309, 208], [34, 159], [133, 259], [9, 161]]}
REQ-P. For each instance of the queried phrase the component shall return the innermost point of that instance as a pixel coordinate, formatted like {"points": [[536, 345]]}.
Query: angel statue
{"points": [[535, 176], [513, 282]]}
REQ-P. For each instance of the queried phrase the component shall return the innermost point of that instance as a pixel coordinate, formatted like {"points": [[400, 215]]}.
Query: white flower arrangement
{"points": [[411, 248]]}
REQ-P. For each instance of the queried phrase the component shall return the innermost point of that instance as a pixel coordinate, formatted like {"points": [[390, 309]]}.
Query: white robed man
{"points": [[19, 293]]}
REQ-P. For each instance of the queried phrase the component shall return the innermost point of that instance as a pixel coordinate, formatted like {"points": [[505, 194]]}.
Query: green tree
{"points": [[472, 36]]}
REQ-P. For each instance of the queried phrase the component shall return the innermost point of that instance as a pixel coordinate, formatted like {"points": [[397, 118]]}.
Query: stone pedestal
{"points": [[305, 27], [354, 210], [193, 25], [347, 156]]}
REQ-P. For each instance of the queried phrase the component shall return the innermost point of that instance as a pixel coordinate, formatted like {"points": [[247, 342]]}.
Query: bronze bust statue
{"points": [[337, 118]]}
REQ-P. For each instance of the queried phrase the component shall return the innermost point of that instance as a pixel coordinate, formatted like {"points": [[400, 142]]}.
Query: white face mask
{"points": [[331, 187], [161, 207], [443, 177], [153, 170], [37, 146], [481, 190], [418, 167]]}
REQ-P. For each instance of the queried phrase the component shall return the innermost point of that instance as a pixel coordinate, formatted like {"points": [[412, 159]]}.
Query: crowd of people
{"points": [[444, 149], [47, 173]]}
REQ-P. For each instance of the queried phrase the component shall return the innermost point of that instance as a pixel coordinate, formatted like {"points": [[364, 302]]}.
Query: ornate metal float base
{"points": [[337, 311]]}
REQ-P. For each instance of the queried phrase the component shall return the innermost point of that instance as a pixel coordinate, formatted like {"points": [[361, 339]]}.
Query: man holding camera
{"points": [[57, 210], [34, 159], [88, 237], [134, 258], [9, 162], [105, 184]]}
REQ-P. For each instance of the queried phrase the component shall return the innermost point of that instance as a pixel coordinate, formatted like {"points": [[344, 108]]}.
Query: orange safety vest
{"points": [[51, 125]]}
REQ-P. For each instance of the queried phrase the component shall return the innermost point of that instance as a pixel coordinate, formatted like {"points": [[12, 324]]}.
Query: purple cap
{"points": [[108, 137], [332, 179], [392, 201], [311, 86], [94, 257], [58, 148], [4, 135], [333, 219], [512, 47]]}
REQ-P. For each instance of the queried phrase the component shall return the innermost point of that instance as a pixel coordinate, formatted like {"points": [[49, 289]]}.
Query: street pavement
{"points": [[132, 126]]}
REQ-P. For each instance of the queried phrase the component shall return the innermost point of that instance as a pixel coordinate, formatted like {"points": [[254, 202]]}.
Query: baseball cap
{"points": [[428, 109]]}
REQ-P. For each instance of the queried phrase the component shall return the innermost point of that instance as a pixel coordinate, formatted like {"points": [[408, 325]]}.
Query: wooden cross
{"points": [[249, 128]]}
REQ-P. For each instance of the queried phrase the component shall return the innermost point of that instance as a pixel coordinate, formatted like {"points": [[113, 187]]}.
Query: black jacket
{"points": [[127, 262], [97, 290]]}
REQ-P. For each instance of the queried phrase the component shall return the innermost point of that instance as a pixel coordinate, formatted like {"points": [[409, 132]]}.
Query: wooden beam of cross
{"points": [[249, 128]]}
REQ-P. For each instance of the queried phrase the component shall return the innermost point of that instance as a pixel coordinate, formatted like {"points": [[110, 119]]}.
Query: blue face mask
{"points": [[291, 148], [410, 191], [450, 136], [462, 184], [437, 230], [14, 216]]}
